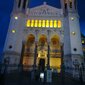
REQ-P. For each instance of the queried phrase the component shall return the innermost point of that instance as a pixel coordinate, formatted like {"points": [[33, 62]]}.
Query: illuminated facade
{"points": [[44, 33]]}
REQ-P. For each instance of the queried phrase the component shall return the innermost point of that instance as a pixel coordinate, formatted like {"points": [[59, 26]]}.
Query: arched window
{"points": [[36, 23], [24, 4], [32, 23], [51, 23], [40, 23], [75, 3], [28, 23], [47, 23], [43, 23], [59, 24], [65, 3], [19, 3], [70, 3], [55, 23]]}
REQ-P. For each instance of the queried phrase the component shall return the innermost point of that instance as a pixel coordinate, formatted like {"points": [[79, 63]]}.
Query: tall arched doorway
{"points": [[28, 55], [42, 50], [55, 53]]}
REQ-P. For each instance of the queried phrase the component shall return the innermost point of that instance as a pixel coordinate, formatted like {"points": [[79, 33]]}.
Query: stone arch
{"points": [[30, 39], [28, 52], [42, 48], [55, 52], [42, 39], [55, 41]]}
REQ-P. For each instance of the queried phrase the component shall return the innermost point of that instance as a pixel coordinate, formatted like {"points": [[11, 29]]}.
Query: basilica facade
{"points": [[44, 35]]}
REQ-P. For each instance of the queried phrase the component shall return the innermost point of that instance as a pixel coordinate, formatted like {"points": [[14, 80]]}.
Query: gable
{"points": [[44, 10]]}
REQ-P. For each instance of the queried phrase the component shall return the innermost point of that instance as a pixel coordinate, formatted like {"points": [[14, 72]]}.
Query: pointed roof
{"points": [[45, 9]]}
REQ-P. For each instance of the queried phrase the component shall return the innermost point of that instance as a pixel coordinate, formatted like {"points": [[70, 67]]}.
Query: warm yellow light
{"points": [[47, 23], [28, 23], [40, 23], [51, 23], [55, 63], [72, 18], [55, 23], [43, 23], [16, 17], [32, 23], [13, 31], [73, 33], [82, 41], [36, 23], [59, 24]]}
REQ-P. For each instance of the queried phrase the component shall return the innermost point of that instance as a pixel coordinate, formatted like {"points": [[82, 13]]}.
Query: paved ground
{"points": [[25, 79]]}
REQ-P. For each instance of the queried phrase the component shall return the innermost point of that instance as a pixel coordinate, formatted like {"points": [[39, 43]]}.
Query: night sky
{"points": [[6, 8]]}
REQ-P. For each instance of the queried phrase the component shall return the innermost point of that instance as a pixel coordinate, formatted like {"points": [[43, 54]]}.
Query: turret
{"points": [[69, 6], [72, 36], [20, 5]]}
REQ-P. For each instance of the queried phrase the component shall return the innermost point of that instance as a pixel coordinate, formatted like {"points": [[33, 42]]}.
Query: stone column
{"points": [[21, 6], [35, 56], [27, 4], [48, 56], [34, 64], [35, 51]]}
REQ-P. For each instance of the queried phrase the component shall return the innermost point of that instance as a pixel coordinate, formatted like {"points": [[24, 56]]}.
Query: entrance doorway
{"points": [[55, 53], [42, 49], [28, 54], [41, 65], [42, 52]]}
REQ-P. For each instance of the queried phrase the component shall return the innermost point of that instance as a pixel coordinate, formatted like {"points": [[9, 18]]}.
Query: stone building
{"points": [[44, 35]]}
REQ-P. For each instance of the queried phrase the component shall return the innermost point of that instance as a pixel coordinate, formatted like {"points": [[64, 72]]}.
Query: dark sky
{"points": [[6, 8]]}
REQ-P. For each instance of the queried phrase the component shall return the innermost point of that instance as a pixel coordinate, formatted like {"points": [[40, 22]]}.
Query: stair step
{"points": [[24, 79]]}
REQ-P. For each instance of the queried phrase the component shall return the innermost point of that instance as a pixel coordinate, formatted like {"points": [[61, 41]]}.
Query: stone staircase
{"points": [[24, 78]]}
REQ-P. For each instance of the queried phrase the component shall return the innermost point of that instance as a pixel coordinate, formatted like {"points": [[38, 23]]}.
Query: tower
{"points": [[73, 56], [13, 42], [20, 5]]}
